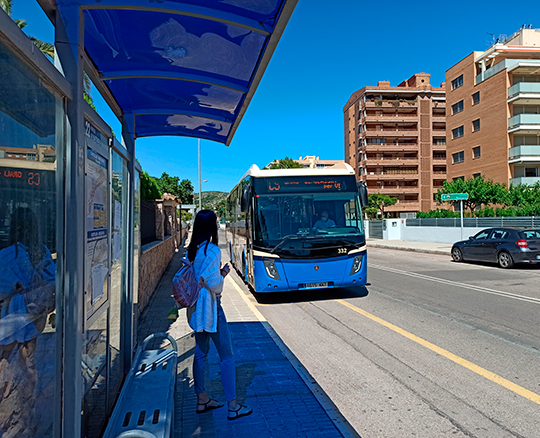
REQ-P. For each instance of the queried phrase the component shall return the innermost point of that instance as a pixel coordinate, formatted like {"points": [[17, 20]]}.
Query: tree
{"points": [[285, 163], [186, 191], [220, 207], [380, 201], [149, 187], [172, 184], [480, 190], [523, 195], [168, 184]]}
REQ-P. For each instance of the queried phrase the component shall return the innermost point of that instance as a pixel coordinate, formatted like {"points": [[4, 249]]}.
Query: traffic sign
{"points": [[455, 197]]}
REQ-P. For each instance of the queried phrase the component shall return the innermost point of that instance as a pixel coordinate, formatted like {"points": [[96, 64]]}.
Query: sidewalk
{"points": [[286, 401], [409, 245]]}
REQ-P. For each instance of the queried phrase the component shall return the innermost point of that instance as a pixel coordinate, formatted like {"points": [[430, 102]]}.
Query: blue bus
{"points": [[297, 229]]}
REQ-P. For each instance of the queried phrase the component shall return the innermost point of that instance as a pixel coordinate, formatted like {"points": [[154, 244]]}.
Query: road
{"points": [[431, 348]]}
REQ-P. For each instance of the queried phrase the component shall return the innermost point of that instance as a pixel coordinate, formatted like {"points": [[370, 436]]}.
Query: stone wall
{"points": [[153, 262]]}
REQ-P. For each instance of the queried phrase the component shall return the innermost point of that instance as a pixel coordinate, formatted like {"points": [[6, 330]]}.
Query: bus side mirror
{"points": [[362, 192], [246, 199]]}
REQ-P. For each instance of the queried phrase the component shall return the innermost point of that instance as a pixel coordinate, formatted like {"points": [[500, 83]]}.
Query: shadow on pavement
{"points": [[311, 295]]}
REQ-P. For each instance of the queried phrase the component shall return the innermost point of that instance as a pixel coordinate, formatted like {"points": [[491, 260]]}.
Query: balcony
{"points": [[439, 175], [390, 103], [529, 180], [524, 93], [399, 161], [404, 205], [524, 154], [525, 123], [378, 176], [392, 189], [392, 118], [391, 147], [400, 132]]}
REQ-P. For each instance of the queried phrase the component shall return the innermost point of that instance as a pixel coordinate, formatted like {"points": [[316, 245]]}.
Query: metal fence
{"points": [[148, 221], [376, 229], [478, 222]]}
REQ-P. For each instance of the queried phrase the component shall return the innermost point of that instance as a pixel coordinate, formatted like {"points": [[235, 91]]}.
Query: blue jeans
{"points": [[222, 341]]}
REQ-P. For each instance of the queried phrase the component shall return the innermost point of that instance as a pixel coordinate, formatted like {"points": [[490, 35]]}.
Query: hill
{"points": [[210, 199]]}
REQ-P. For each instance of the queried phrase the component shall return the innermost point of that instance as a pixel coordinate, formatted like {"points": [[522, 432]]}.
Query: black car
{"points": [[504, 246]]}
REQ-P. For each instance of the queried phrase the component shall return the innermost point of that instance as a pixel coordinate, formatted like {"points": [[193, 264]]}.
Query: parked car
{"points": [[505, 246]]}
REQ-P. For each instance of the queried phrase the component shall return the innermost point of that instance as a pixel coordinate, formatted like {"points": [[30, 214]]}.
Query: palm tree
{"points": [[46, 48]]}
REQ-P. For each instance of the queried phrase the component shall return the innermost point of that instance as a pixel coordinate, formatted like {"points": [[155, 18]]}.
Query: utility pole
{"points": [[200, 182]]}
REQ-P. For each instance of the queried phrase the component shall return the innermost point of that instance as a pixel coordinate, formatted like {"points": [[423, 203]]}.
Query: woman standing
{"points": [[208, 319]]}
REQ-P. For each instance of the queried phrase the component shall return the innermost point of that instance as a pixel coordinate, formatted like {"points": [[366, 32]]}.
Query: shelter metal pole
{"points": [[128, 310], [200, 182], [69, 44]]}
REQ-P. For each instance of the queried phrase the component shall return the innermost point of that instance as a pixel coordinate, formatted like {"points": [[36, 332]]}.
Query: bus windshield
{"points": [[330, 219]]}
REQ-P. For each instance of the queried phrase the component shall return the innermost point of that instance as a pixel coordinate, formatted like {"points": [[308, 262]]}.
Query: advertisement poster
{"points": [[97, 220]]}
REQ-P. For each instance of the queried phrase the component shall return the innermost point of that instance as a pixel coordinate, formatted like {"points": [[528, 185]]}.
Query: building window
{"points": [[457, 132], [531, 172], [458, 82], [457, 107], [458, 157], [476, 125], [476, 152], [476, 98], [477, 175], [457, 178]]}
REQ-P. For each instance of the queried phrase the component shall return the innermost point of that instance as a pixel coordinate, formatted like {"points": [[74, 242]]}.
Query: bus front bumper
{"points": [[279, 275]]}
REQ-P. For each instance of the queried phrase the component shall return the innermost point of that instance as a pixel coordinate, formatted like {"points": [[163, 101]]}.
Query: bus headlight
{"points": [[357, 264], [271, 269]]}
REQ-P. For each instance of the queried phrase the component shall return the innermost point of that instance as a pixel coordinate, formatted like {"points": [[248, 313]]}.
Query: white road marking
{"points": [[457, 284]]}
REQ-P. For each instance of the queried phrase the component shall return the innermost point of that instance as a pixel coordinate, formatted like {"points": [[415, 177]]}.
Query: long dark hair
{"points": [[24, 229], [204, 229]]}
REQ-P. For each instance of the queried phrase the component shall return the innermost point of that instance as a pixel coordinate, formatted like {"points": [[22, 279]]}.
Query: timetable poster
{"points": [[97, 219]]}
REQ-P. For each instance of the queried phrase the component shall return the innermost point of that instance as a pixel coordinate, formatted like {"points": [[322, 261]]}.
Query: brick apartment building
{"points": [[395, 139], [493, 112]]}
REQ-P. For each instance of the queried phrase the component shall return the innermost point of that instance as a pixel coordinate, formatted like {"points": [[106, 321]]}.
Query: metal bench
{"points": [[145, 406]]}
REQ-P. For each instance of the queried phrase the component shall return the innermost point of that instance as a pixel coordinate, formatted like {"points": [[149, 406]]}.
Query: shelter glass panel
{"points": [[31, 133], [118, 271]]}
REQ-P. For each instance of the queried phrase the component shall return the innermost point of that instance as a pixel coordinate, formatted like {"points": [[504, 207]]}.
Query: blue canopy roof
{"points": [[182, 67]]}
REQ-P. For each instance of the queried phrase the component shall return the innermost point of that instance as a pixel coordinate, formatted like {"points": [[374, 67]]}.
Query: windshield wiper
{"points": [[285, 239]]}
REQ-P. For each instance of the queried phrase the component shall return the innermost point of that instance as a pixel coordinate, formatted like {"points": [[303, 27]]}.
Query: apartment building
{"points": [[493, 112], [314, 162], [395, 139]]}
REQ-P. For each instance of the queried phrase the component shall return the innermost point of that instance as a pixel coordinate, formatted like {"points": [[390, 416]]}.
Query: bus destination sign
{"points": [[290, 186], [304, 184]]}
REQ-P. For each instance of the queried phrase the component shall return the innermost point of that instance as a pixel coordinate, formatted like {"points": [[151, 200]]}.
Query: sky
{"points": [[327, 52]]}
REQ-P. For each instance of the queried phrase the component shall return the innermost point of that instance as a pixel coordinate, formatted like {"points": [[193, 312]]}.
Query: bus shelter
{"points": [[69, 226]]}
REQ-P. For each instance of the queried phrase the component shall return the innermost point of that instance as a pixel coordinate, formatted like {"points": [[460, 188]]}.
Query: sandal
{"points": [[242, 411], [207, 407]]}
